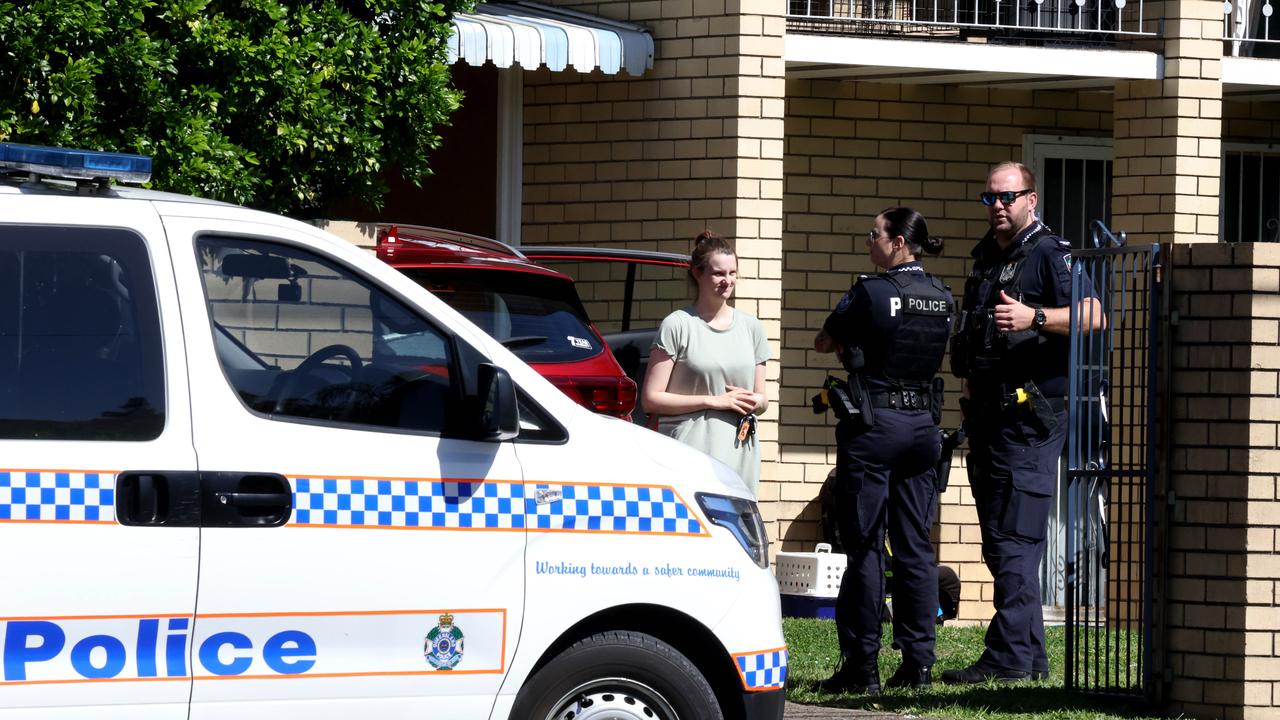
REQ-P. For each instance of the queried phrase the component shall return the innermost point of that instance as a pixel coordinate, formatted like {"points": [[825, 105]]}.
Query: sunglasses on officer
{"points": [[1007, 197]]}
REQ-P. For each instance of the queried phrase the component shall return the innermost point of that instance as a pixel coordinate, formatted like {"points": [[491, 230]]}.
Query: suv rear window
{"points": [[538, 317]]}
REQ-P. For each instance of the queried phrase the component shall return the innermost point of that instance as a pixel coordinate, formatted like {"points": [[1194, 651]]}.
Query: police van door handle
{"points": [[238, 499], [255, 500], [158, 498]]}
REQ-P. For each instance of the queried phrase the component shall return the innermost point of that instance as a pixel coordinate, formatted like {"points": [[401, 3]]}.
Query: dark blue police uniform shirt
{"points": [[862, 317], [1045, 282]]}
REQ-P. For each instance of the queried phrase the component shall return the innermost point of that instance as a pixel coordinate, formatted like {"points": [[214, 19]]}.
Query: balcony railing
{"points": [[1076, 20], [1248, 30]]}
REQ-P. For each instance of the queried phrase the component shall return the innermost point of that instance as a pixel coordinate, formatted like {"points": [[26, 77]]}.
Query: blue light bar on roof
{"points": [[75, 164]]}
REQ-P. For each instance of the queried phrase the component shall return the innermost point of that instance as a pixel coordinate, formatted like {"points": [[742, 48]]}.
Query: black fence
{"points": [[1110, 464]]}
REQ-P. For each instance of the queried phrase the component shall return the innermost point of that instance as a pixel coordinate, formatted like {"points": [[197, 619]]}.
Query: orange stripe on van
{"points": [[331, 613]]}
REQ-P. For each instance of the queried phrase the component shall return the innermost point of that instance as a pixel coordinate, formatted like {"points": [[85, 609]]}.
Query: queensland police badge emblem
{"points": [[1006, 272], [443, 645]]}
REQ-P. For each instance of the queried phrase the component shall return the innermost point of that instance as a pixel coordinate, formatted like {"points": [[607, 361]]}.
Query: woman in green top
{"points": [[706, 367]]}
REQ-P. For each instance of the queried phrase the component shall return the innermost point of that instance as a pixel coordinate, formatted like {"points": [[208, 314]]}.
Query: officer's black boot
{"points": [[853, 678], [977, 673], [911, 675]]}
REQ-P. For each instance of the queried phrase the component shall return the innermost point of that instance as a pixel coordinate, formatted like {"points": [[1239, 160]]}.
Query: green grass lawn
{"points": [[813, 653]]}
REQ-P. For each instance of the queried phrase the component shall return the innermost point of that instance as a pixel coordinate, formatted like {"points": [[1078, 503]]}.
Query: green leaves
{"points": [[288, 106]]}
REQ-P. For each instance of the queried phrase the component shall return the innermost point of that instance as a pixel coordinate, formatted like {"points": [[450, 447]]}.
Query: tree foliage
{"points": [[287, 105]]}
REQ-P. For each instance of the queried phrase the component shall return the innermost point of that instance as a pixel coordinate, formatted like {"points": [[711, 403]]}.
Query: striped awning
{"points": [[532, 35]]}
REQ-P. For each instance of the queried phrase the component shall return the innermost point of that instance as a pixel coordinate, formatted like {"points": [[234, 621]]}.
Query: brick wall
{"points": [[650, 162], [852, 150], [1251, 122], [1223, 593]]}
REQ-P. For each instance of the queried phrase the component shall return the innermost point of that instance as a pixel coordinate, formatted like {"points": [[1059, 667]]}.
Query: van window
{"points": [[80, 350], [299, 336]]}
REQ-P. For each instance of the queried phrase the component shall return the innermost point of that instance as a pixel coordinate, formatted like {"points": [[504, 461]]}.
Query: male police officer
{"points": [[891, 331], [1011, 348]]}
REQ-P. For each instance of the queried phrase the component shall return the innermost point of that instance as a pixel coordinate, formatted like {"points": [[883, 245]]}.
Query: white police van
{"points": [[248, 471]]}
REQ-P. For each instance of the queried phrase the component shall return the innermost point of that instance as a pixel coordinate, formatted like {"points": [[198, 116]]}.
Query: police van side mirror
{"points": [[498, 416]]}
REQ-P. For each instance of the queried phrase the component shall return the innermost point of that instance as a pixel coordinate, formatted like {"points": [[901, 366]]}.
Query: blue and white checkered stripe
{"points": [[457, 505], [763, 671], [437, 504], [613, 508], [50, 496]]}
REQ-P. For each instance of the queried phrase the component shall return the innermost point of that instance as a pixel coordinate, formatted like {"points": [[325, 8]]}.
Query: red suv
{"points": [[532, 310]]}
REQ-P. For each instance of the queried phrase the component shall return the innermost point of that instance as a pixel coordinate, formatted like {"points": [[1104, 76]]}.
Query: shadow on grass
{"points": [[814, 653], [979, 700]]}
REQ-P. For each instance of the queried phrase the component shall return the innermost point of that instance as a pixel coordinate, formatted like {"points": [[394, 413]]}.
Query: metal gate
{"points": [[1110, 464]]}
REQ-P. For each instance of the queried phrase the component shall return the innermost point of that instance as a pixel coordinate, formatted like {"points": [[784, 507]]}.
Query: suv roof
{"points": [[404, 246]]}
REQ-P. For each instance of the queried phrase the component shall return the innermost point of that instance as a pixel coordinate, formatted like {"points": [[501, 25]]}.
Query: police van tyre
{"points": [[618, 674]]}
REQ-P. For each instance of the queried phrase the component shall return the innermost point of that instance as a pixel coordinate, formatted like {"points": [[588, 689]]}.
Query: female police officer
{"points": [[890, 331]]}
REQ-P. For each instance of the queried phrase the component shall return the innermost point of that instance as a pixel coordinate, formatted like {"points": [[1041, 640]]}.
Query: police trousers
{"points": [[1013, 471], [885, 481]]}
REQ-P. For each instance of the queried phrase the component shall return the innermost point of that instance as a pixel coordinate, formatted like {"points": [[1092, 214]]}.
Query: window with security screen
{"points": [[1074, 193], [1074, 179], [1251, 193]]}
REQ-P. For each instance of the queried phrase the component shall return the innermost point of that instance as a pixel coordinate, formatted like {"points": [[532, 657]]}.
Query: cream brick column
{"points": [[1222, 597], [1168, 133], [649, 162], [754, 83]]}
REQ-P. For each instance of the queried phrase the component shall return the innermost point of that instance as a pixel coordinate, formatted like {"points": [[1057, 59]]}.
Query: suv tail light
{"points": [[607, 395], [388, 243]]}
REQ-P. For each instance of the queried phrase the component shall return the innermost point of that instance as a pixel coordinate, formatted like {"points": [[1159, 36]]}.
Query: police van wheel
{"points": [[618, 675]]}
